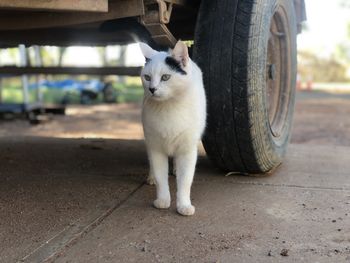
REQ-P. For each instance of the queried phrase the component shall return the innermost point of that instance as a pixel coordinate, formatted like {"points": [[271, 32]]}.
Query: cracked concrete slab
{"points": [[322, 166], [83, 200], [52, 190], [238, 219]]}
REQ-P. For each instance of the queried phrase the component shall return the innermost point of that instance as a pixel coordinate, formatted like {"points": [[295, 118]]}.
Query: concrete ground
{"points": [[69, 196]]}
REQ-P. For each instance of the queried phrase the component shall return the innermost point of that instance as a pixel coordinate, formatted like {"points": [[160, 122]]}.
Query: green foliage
{"points": [[342, 51], [189, 43], [47, 56], [12, 93], [321, 69], [128, 92]]}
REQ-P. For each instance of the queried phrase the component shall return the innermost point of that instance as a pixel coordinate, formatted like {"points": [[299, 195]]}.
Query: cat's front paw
{"points": [[161, 203], [186, 210], [151, 180]]}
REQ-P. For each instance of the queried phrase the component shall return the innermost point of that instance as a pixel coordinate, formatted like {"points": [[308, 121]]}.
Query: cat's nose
{"points": [[152, 90]]}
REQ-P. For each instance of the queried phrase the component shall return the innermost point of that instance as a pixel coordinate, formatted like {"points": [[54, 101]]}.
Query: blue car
{"points": [[88, 89]]}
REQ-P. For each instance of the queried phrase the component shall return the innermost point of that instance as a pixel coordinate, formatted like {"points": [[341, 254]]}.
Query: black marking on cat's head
{"points": [[147, 60], [174, 65]]}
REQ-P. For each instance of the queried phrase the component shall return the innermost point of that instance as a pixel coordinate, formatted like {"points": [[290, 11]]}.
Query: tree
{"points": [[342, 51], [321, 69], [61, 52], [47, 55], [102, 52]]}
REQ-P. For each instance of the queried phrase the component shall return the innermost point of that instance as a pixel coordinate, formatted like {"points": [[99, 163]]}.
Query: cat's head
{"points": [[166, 75]]}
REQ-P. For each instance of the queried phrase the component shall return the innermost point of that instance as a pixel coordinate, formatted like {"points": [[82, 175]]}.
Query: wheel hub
{"points": [[278, 74]]}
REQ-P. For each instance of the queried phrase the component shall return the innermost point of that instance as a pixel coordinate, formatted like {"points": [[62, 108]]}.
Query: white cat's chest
{"points": [[168, 122]]}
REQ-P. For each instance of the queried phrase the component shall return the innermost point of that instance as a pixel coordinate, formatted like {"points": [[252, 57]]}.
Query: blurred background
{"points": [[66, 89], [324, 46], [323, 86]]}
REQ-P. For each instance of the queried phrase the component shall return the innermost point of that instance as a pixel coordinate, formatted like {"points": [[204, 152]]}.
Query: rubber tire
{"points": [[230, 47]]}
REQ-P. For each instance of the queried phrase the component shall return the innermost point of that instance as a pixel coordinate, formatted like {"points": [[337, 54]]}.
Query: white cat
{"points": [[173, 117]]}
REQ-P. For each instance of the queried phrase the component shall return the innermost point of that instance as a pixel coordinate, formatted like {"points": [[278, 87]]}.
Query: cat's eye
{"points": [[165, 77], [147, 77]]}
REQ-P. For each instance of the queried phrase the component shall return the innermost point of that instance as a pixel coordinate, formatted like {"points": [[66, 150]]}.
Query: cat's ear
{"points": [[147, 51], [180, 53]]}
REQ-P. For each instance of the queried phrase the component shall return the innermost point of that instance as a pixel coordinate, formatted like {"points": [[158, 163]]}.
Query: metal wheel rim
{"points": [[278, 73]]}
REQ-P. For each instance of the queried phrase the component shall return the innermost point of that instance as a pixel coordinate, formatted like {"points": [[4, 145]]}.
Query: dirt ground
{"points": [[320, 118], [73, 191]]}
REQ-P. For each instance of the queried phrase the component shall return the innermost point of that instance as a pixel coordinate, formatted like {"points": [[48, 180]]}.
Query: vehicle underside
{"points": [[246, 50], [101, 22]]}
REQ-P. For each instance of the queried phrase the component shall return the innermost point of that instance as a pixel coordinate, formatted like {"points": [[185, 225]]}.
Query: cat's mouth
{"points": [[157, 97]]}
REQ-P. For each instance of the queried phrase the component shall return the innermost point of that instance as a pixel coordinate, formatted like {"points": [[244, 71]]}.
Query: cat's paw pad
{"points": [[161, 203], [187, 210], [151, 180]]}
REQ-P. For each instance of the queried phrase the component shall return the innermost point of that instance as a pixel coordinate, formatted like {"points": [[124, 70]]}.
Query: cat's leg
{"points": [[159, 170], [185, 167], [150, 179]]}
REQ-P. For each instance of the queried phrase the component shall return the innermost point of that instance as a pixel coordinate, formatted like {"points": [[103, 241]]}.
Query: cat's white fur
{"points": [[173, 119]]}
